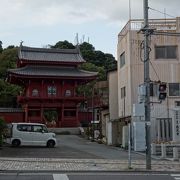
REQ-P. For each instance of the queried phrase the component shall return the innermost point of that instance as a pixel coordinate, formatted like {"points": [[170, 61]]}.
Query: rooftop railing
{"points": [[157, 24]]}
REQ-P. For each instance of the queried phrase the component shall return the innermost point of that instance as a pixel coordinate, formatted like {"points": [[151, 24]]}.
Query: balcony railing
{"points": [[23, 98]]}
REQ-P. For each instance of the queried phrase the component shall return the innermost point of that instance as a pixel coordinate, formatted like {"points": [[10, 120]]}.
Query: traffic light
{"points": [[162, 91]]}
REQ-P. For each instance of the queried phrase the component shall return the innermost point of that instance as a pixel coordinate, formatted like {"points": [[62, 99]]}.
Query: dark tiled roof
{"points": [[11, 110], [51, 71], [54, 55]]}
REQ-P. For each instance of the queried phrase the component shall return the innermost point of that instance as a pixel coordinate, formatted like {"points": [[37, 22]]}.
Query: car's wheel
{"points": [[50, 144], [16, 143]]}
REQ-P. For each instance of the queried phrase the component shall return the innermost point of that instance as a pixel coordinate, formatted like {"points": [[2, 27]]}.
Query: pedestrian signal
{"points": [[162, 94]]}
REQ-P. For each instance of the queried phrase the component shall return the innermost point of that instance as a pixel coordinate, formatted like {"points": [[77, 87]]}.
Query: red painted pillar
{"points": [[75, 86], [62, 114], [58, 123], [62, 110], [42, 89], [28, 91], [63, 88], [42, 119], [26, 113], [77, 117]]}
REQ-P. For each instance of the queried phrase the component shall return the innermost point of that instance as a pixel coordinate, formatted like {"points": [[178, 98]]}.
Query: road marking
{"points": [[176, 176], [116, 173], [60, 177]]}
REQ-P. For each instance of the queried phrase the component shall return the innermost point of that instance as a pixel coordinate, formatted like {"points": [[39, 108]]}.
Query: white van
{"points": [[30, 134]]}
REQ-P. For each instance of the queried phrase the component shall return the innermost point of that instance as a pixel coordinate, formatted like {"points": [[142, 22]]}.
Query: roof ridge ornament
{"points": [[21, 43]]}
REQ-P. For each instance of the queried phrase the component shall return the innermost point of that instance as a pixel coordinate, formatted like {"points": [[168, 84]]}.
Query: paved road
{"points": [[74, 153], [89, 176], [70, 146]]}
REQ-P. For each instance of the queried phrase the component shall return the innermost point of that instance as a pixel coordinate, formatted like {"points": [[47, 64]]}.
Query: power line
{"points": [[141, 48], [161, 12], [155, 70]]}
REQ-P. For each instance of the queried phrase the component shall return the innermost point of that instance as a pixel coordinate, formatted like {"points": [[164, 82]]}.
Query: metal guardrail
{"points": [[158, 24], [164, 148]]}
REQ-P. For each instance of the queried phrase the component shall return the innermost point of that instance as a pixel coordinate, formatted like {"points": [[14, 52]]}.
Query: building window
{"points": [[122, 59], [174, 89], [166, 52], [68, 92], [123, 92], [35, 92], [51, 90], [177, 103]]}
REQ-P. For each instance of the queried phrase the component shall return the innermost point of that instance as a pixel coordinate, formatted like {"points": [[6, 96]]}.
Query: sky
{"points": [[39, 23]]}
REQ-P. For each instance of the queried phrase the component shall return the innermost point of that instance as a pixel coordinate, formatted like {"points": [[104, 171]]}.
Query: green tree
{"points": [[110, 62], [105, 61], [8, 92], [88, 52], [63, 45], [87, 89], [1, 49], [86, 47], [97, 57], [91, 67], [100, 58], [7, 60], [50, 115]]}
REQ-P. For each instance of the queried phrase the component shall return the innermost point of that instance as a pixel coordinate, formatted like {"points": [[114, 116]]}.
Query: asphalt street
{"points": [[69, 146], [88, 176], [76, 154]]}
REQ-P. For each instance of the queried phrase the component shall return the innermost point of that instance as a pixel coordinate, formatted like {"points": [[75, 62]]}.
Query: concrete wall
{"points": [[113, 94], [104, 117], [10, 117]]}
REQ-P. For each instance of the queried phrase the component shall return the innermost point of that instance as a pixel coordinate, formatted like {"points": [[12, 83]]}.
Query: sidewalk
{"points": [[55, 164]]}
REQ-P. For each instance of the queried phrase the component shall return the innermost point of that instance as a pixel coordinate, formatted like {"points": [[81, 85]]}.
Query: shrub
{"points": [[2, 128]]}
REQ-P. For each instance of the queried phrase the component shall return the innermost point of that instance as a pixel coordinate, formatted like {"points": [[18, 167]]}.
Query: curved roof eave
{"points": [[51, 71], [45, 54]]}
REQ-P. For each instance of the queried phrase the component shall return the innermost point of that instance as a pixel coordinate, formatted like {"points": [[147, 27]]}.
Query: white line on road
{"points": [[60, 177], [176, 176]]}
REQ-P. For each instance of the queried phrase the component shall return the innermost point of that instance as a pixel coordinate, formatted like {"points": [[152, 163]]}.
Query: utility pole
{"points": [[147, 85]]}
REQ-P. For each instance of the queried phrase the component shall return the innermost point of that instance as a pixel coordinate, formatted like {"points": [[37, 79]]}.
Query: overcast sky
{"points": [[42, 22]]}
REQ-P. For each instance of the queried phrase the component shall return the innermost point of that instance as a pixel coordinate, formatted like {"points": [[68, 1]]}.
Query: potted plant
{"points": [[2, 127], [51, 117]]}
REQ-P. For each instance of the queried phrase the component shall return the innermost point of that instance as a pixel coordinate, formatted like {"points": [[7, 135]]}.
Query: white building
{"points": [[164, 67]]}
